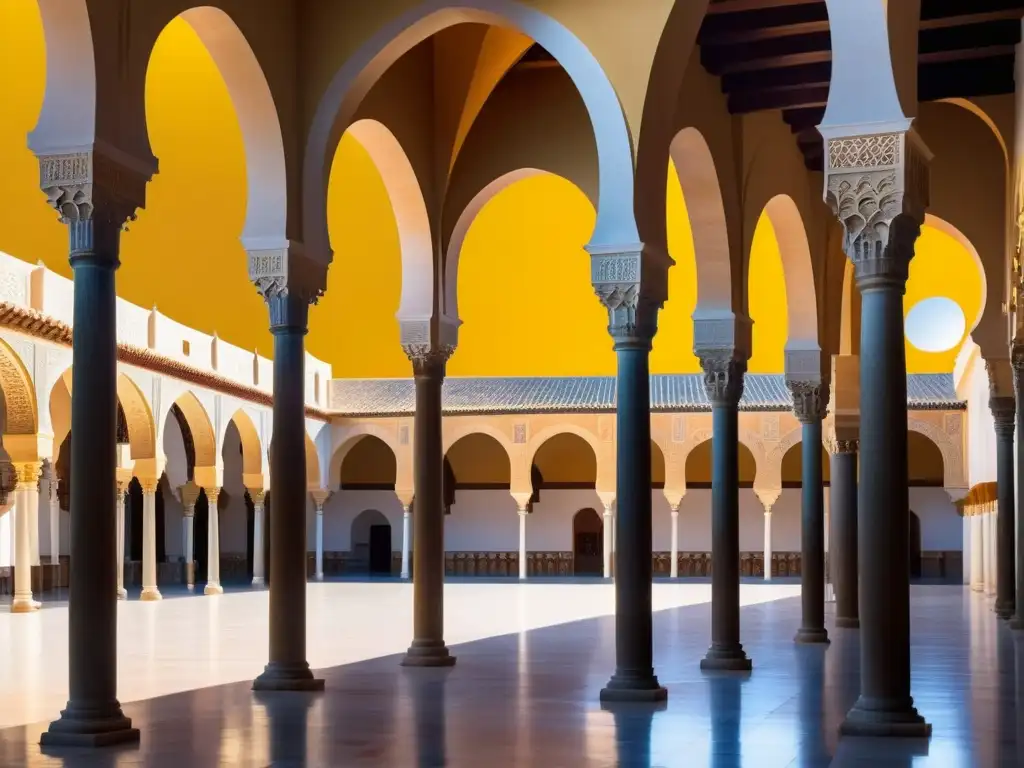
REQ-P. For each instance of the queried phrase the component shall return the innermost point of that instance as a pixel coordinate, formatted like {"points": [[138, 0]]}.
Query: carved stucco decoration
{"points": [[952, 453], [18, 393], [632, 285], [287, 271]]}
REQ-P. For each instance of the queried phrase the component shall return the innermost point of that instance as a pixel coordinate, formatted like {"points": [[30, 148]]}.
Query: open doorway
{"points": [[371, 544], [587, 543]]}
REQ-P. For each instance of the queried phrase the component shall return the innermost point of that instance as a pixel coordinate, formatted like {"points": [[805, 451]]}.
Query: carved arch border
{"points": [[18, 393]]}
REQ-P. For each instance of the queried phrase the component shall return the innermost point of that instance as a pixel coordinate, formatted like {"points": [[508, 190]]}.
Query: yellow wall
{"points": [[524, 288]]}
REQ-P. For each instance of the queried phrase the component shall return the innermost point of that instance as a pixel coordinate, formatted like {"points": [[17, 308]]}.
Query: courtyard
{"points": [[531, 660]]}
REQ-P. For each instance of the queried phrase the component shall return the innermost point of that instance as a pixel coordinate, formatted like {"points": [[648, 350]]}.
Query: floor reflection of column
{"points": [[633, 735], [287, 726], [726, 721], [427, 687], [813, 747]]}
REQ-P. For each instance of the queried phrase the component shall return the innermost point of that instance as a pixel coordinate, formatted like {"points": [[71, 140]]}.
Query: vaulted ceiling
{"points": [[776, 54]]}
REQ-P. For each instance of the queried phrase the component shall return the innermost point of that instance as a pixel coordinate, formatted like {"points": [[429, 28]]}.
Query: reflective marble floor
{"points": [[532, 659]]}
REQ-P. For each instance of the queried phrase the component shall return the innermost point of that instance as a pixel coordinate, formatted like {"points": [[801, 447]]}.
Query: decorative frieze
{"points": [[836, 445]]}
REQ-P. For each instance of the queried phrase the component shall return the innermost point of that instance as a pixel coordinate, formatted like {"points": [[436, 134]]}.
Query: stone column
{"points": [[150, 591], [54, 501], [810, 400], [632, 286], [1004, 413], [606, 532], [95, 193], [33, 531], [991, 526], [524, 512], [288, 301], [188, 494], [723, 380], [319, 499], [213, 586], [28, 476], [977, 553], [885, 174], [428, 648], [843, 532], [406, 533], [258, 572], [122, 489], [1017, 622], [768, 543], [673, 568]]}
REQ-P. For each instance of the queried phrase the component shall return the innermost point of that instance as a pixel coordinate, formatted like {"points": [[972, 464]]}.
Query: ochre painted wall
{"points": [[524, 289]]}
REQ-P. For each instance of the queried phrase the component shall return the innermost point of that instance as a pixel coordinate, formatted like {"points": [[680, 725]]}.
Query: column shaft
{"points": [[673, 568], [150, 591], [428, 648], [287, 668], [885, 706], [1017, 622], [1006, 541], [213, 586], [319, 570], [190, 547], [606, 543], [991, 547], [768, 544], [406, 522], [93, 715], [23, 601], [33, 531], [843, 533], [634, 678], [726, 651], [54, 519], [977, 554], [258, 577], [522, 544], [122, 593], [812, 537]]}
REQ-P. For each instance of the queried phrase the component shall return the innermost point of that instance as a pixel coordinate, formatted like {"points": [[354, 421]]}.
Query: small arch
{"points": [[953, 475], [410, 210], [252, 450], [615, 222], [351, 439], [657, 466], [698, 177], [587, 543], [565, 460], [138, 417], [369, 465], [199, 424], [925, 464], [792, 466], [371, 543], [21, 415], [697, 469], [480, 462]]}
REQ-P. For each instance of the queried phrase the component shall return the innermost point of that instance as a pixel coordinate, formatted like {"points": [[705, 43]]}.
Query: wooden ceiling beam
{"points": [[728, 36], [945, 22], [965, 54], [775, 77], [739, 6], [798, 97]]}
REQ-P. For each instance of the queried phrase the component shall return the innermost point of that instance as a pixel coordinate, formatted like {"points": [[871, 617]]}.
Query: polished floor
{"points": [[532, 659]]}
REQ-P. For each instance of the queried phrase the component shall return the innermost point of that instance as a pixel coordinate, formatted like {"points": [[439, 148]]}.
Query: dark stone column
{"points": [[842, 548], [1004, 414], [93, 716], [634, 678], [1017, 622], [287, 669], [428, 648], [723, 380], [809, 401], [885, 706]]}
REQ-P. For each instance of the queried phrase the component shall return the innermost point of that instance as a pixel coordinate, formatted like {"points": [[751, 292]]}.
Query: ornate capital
{"points": [[1004, 414], [1017, 363], [212, 494], [810, 400], [723, 378], [877, 185], [632, 284], [149, 485], [835, 445], [27, 473], [428, 360], [320, 497], [288, 281], [257, 495]]}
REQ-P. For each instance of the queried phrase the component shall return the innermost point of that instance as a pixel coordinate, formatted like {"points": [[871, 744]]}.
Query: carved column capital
{"points": [[877, 185], [723, 378], [289, 281], [1017, 363], [320, 497], [149, 484], [428, 360], [212, 494], [632, 284], [257, 495], [27, 473], [836, 445], [1004, 414], [810, 400]]}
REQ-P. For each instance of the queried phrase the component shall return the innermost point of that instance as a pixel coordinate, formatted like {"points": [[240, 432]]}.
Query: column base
{"points": [[633, 687], [977, 588], [848, 622], [81, 726], [726, 658], [318, 577], [805, 635], [257, 581], [122, 594], [278, 676], [1004, 610], [885, 717], [428, 653], [1017, 622], [151, 595], [24, 605], [213, 589]]}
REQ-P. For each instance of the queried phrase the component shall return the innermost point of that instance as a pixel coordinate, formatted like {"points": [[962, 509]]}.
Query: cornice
{"points": [[33, 323]]}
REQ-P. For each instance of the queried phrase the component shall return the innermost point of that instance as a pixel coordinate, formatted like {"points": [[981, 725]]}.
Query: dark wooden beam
{"points": [[966, 54], [776, 77], [992, 76], [720, 60], [966, 36], [797, 97], [943, 9], [739, 36], [944, 22], [738, 6], [802, 119]]}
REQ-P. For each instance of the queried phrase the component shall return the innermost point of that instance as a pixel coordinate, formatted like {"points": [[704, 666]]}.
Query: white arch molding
{"points": [[615, 222], [798, 274]]}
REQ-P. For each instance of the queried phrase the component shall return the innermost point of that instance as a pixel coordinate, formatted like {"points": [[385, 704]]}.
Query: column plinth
{"points": [[428, 648], [287, 668], [843, 533]]}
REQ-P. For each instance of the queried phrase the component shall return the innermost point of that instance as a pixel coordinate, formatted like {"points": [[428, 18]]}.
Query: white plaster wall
{"points": [[174, 514], [549, 527], [981, 435], [341, 510], [941, 525], [7, 538], [488, 521]]}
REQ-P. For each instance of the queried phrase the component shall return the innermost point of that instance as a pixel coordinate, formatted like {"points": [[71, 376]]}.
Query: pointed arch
{"points": [[21, 414], [199, 424], [252, 451], [798, 271]]}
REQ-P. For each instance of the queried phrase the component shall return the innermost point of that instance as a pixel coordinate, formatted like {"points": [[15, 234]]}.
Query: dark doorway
{"points": [[133, 514], [250, 527], [587, 543], [380, 549], [201, 536], [266, 538], [915, 545]]}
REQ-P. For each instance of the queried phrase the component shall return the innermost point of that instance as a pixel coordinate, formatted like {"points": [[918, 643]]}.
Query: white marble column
{"points": [[122, 593], [319, 541], [258, 570], [523, 514], [607, 530], [188, 545], [28, 476], [768, 543], [54, 519], [990, 551], [977, 553], [673, 568], [33, 531], [150, 591], [406, 526], [213, 586]]}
